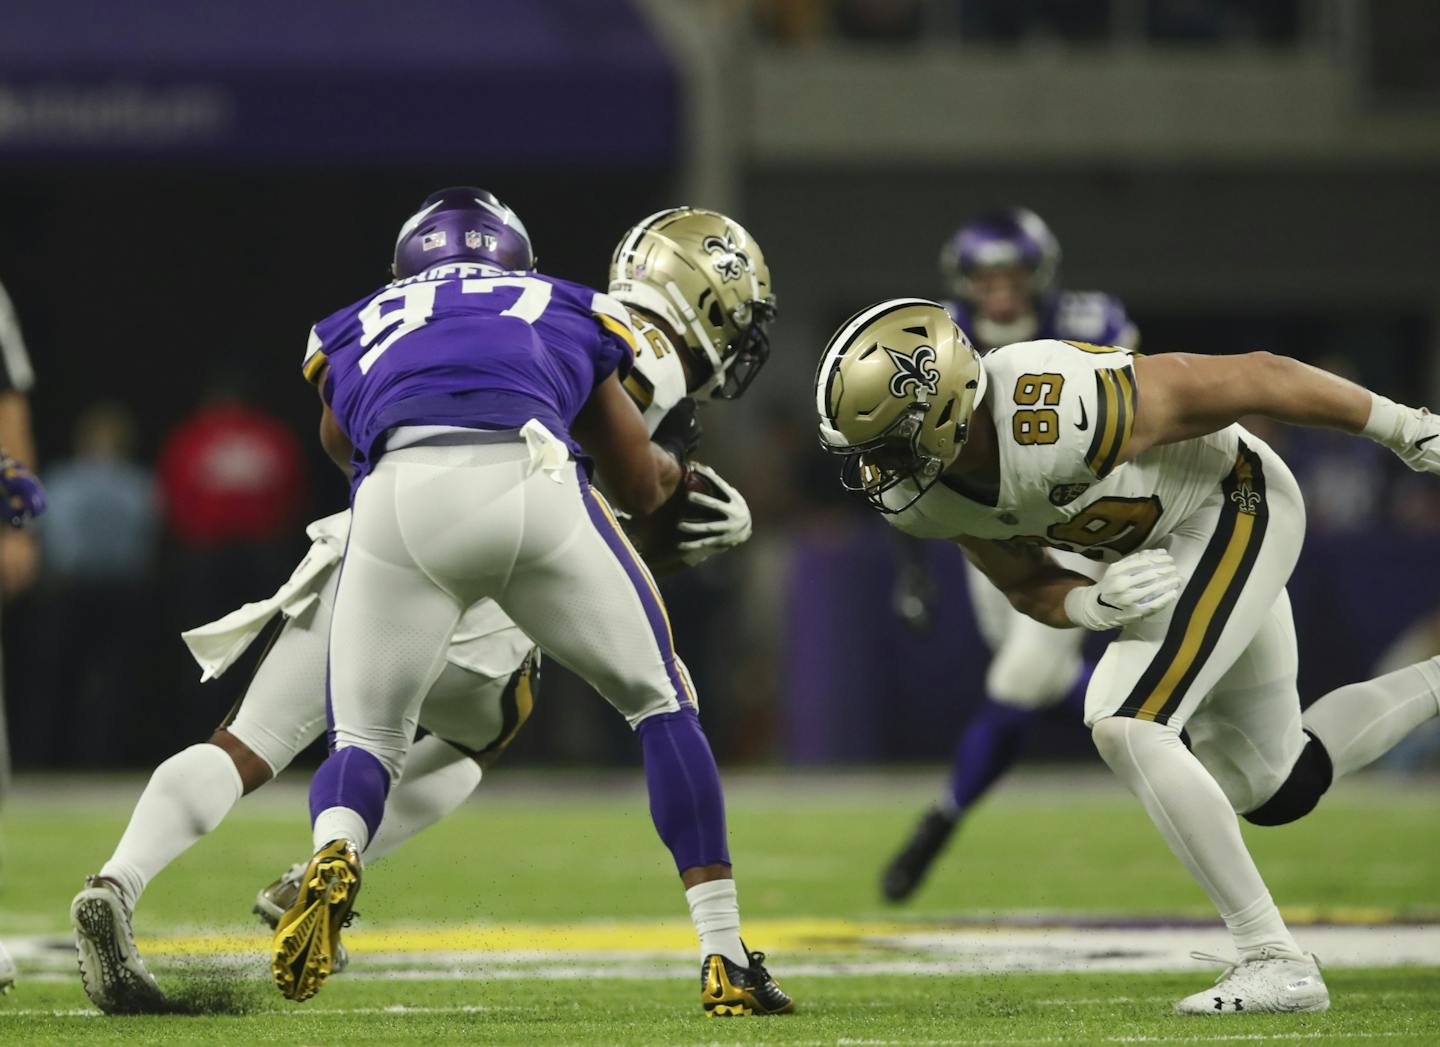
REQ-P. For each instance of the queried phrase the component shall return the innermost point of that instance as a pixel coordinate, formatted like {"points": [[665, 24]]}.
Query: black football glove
{"points": [[679, 431]]}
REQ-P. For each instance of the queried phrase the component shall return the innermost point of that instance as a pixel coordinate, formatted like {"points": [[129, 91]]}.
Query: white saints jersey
{"points": [[1063, 412], [657, 380]]}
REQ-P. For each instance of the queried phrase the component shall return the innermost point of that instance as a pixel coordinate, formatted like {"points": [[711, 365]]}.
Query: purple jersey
{"points": [[469, 346], [1070, 316]]}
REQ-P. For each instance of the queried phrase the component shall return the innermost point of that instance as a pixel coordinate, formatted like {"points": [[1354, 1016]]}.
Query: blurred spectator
{"points": [[103, 517], [232, 476], [1202, 21], [95, 651], [893, 21], [235, 491], [792, 21], [1010, 20]]}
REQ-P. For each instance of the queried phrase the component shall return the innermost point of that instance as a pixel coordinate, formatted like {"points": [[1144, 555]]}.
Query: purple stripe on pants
{"points": [[640, 581]]}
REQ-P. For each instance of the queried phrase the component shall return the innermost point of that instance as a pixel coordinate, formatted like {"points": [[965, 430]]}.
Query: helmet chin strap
{"points": [[994, 335]]}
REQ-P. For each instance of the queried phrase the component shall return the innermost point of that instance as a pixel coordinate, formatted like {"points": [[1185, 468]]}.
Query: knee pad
{"points": [[1301, 791]]}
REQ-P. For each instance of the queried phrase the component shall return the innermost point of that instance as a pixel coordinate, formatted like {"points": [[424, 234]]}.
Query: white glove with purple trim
{"points": [[1413, 433], [729, 528], [1132, 588]]}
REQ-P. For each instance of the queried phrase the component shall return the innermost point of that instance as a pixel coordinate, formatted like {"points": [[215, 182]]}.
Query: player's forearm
{"points": [[1298, 394], [645, 487], [15, 434], [1183, 396], [668, 471], [1043, 597]]}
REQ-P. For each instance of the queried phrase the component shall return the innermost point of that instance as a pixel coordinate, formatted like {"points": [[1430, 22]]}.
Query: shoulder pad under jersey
{"points": [[1068, 407], [1091, 316], [657, 381]]}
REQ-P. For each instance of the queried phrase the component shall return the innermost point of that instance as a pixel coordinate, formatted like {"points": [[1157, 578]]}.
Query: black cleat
{"points": [[908, 868], [729, 990]]}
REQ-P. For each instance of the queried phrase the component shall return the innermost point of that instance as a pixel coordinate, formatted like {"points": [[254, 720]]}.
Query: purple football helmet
{"points": [[462, 224], [1011, 236]]}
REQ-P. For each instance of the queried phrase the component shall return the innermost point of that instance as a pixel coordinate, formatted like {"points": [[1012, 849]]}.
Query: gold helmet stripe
{"points": [[839, 346]]}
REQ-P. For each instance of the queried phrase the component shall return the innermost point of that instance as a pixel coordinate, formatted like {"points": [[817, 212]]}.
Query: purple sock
{"points": [[351, 778], [990, 745], [994, 737], [686, 802]]}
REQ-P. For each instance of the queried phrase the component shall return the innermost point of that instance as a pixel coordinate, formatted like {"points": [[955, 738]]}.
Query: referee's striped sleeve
{"points": [[15, 370]]}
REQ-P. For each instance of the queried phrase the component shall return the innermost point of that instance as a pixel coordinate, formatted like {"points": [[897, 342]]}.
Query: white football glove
{"points": [[1133, 588], [1413, 433], [714, 536]]}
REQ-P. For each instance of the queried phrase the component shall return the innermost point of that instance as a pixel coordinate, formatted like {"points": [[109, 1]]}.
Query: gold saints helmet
{"points": [[703, 275], [895, 391]]}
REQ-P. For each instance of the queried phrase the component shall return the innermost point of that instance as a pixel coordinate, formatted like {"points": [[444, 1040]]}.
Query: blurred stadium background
{"points": [[183, 194], [181, 197]]}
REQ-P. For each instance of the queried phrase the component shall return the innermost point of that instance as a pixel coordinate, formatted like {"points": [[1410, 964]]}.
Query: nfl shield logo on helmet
{"points": [[430, 241], [476, 239]]}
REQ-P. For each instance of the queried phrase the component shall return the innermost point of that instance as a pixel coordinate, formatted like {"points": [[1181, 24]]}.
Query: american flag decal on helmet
{"points": [[430, 241]]}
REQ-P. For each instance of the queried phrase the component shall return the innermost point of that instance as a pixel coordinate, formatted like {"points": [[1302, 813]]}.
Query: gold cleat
{"points": [[307, 937], [728, 990]]}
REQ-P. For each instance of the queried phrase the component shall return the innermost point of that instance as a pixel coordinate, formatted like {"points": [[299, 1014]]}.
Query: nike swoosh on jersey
{"points": [[1420, 444], [1084, 422]]}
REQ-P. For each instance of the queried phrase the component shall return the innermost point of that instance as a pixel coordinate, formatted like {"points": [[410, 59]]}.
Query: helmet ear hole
{"points": [[945, 412], [715, 314]]}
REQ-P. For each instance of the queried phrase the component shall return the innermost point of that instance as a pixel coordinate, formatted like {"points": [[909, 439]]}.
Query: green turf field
{"points": [[546, 912]]}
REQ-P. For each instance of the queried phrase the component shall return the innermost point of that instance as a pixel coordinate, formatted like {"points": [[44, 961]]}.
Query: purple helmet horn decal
{"points": [[462, 224]]}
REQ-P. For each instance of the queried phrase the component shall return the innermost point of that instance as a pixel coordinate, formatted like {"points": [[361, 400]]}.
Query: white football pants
{"points": [[1222, 661], [437, 528]]}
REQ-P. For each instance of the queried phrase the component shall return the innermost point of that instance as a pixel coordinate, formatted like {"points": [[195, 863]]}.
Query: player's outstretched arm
{"points": [[1183, 395], [639, 475]]}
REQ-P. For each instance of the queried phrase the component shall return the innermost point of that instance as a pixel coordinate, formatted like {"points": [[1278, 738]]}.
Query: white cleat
{"points": [[111, 970], [274, 899], [1270, 984], [7, 971]]}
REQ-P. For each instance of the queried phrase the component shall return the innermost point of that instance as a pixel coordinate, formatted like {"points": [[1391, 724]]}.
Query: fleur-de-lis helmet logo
{"points": [[915, 369], [730, 260]]}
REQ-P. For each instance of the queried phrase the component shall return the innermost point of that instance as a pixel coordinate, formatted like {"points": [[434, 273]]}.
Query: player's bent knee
{"points": [[1123, 741], [254, 771], [1301, 790]]}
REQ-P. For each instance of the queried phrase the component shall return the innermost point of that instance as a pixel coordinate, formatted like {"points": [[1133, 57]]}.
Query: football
{"points": [[657, 537]]}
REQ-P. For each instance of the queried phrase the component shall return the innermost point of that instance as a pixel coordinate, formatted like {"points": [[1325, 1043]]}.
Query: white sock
{"points": [[716, 912], [1192, 813], [1258, 929], [187, 796], [1361, 722], [435, 779], [340, 823]]}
